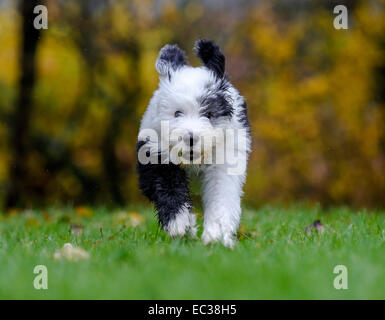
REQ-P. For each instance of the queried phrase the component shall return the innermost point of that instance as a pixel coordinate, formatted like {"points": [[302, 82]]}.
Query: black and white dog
{"points": [[195, 123]]}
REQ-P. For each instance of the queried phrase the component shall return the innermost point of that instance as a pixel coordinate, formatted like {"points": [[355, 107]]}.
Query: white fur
{"points": [[221, 192], [222, 205], [184, 222]]}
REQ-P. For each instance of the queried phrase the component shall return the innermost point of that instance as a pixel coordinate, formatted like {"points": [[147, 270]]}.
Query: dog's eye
{"points": [[178, 114], [209, 115]]}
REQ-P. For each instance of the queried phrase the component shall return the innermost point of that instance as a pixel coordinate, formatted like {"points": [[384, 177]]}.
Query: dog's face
{"points": [[196, 103]]}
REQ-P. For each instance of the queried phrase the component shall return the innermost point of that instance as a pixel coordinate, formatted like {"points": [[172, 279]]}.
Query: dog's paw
{"points": [[210, 236], [214, 233], [228, 241], [184, 222]]}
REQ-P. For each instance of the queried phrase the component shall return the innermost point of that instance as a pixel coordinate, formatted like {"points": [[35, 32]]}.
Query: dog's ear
{"points": [[211, 55], [170, 59]]}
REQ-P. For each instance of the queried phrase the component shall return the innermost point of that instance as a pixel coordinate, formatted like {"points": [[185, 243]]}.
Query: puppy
{"points": [[195, 124]]}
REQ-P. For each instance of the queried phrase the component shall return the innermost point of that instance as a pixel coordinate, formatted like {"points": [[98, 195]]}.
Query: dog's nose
{"points": [[190, 138]]}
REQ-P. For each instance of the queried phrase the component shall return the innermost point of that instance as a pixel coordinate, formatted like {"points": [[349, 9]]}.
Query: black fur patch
{"points": [[170, 57], [217, 101], [243, 116], [167, 186], [211, 55]]}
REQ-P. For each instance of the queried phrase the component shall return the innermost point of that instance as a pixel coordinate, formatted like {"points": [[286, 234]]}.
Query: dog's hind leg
{"points": [[166, 185]]}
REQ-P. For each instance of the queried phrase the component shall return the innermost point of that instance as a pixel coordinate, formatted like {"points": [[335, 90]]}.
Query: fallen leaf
{"points": [[32, 222], [46, 216], [84, 212], [316, 225], [132, 219], [136, 219], [71, 253], [12, 212], [244, 233], [77, 228]]}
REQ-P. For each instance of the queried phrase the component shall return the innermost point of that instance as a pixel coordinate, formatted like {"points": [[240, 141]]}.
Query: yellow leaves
{"points": [[312, 93], [9, 39], [276, 43], [122, 20], [315, 87], [313, 107], [371, 19], [144, 11], [193, 11], [85, 158], [71, 253], [59, 68], [120, 69], [170, 12]]}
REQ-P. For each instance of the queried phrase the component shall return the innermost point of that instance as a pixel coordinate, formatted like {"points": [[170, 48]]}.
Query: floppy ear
{"points": [[170, 59], [211, 55]]}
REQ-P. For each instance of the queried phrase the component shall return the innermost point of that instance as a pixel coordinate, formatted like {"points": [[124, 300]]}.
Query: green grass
{"points": [[274, 259]]}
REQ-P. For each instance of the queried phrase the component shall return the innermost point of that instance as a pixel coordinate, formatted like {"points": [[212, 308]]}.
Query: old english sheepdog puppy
{"points": [[195, 124]]}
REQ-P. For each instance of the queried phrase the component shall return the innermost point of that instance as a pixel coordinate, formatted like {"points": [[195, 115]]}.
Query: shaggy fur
{"points": [[199, 101]]}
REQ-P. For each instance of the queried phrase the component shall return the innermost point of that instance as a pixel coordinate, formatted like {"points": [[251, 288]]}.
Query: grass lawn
{"points": [[274, 259]]}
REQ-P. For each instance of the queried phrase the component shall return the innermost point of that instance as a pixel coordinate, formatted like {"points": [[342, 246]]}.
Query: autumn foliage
{"points": [[315, 94]]}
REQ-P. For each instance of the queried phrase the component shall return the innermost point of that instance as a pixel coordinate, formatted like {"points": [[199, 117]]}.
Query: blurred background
{"points": [[72, 96]]}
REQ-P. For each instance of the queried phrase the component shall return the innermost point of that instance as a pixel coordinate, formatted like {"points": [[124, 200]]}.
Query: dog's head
{"points": [[193, 98], [196, 103]]}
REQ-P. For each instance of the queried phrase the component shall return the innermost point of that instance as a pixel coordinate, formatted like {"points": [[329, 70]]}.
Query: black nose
{"points": [[190, 138]]}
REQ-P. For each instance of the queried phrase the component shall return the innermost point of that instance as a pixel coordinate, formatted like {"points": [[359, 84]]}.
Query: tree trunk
{"points": [[19, 139]]}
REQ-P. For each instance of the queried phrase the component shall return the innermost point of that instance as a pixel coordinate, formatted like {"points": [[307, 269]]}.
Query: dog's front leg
{"points": [[222, 205], [166, 185]]}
